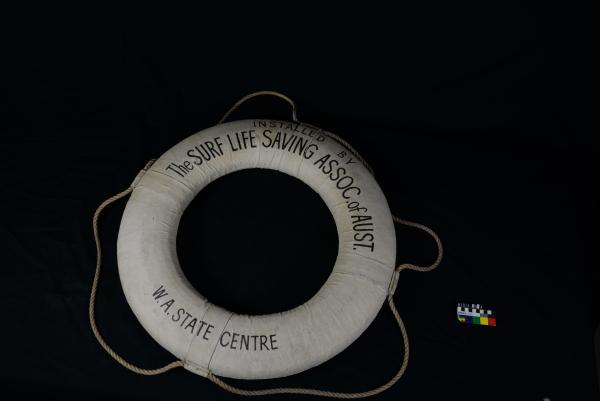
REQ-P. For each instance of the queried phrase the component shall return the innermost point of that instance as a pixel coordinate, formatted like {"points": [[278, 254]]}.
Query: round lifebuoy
{"points": [[209, 338]]}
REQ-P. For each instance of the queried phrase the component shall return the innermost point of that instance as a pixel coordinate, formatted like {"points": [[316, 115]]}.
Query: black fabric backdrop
{"points": [[472, 120]]}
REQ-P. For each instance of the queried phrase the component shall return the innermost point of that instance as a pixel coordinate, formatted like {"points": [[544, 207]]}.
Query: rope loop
{"points": [[269, 391], [94, 291], [256, 94], [438, 242]]}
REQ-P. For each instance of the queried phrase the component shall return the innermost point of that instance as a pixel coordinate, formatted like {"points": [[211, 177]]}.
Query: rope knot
{"points": [[139, 175], [194, 367]]}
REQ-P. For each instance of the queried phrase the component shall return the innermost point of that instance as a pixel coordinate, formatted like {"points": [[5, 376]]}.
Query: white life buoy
{"points": [[208, 338]]}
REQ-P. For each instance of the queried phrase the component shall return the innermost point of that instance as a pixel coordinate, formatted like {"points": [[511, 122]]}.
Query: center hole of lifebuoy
{"points": [[257, 242]]}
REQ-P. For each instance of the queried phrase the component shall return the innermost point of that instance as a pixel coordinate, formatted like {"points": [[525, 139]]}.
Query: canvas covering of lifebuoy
{"points": [[210, 338]]}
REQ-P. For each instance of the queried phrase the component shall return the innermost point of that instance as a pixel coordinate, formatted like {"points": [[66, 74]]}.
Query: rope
{"points": [[295, 119], [322, 393], [438, 242], [405, 266], [92, 312], [260, 93], [278, 390], [351, 395]]}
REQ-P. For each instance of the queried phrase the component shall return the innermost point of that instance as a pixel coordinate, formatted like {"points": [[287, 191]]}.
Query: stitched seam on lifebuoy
{"points": [[378, 262], [357, 277], [218, 340], [173, 178], [302, 159], [271, 162], [360, 277], [187, 353]]}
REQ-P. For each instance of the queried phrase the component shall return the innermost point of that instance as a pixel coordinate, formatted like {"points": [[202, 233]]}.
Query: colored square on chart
{"points": [[475, 314]]}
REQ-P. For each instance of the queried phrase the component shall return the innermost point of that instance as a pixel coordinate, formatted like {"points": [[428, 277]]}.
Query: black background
{"points": [[471, 118]]}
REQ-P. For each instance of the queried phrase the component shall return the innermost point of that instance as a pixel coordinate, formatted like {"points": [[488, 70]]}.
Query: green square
{"points": [[476, 320]]}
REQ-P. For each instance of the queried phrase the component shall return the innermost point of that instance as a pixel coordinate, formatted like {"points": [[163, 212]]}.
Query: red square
{"points": [[491, 321]]}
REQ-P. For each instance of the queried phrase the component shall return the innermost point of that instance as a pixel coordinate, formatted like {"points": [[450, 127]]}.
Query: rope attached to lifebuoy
{"points": [[92, 306], [217, 380]]}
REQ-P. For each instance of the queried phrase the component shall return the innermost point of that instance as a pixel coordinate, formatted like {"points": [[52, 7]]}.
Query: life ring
{"points": [[208, 338]]}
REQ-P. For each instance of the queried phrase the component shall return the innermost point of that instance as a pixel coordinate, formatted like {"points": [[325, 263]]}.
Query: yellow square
{"points": [[483, 321]]}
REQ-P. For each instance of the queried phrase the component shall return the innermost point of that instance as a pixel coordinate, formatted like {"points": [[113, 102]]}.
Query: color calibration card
{"points": [[475, 314]]}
